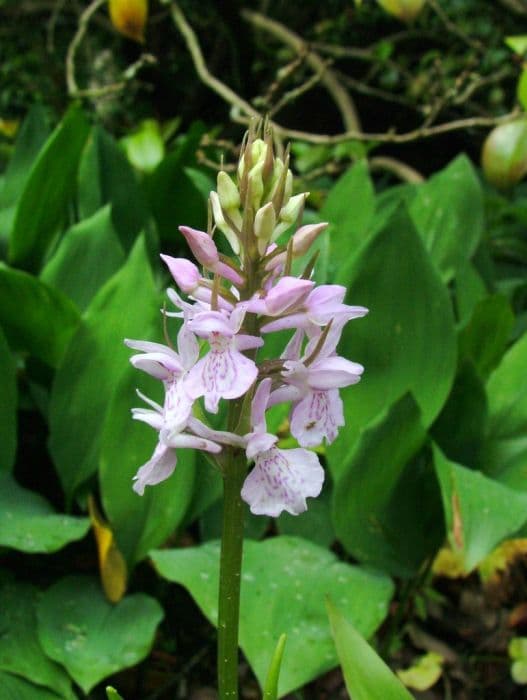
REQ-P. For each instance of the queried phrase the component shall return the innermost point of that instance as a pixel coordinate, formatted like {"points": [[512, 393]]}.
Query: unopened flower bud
{"points": [[290, 213], [185, 273], [219, 219], [264, 223], [305, 237], [255, 183], [227, 192]]}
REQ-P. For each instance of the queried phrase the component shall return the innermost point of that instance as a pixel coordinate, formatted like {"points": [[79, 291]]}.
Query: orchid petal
{"points": [[317, 416], [158, 468]]}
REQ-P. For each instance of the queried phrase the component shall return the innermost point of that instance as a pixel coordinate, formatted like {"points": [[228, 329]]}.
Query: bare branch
{"points": [[340, 95]]}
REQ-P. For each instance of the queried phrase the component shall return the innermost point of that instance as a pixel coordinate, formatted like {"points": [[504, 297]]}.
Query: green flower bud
{"points": [[504, 156], [255, 184], [227, 192], [264, 223], [219, 219]]}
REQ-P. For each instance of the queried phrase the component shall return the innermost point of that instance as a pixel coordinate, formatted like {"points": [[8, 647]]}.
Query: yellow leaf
{"points": [[9, 127], [423, 673], [449, 564], [500, 559], [112, 566], [405, 10], [129, 17]]}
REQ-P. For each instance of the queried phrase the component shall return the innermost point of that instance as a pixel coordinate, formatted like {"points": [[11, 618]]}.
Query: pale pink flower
{"points": [[280, 479], [224, 372], [206, 253]]}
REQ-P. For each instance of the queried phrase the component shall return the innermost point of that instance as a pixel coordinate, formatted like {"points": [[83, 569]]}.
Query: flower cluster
{"points": [[233, 303]]}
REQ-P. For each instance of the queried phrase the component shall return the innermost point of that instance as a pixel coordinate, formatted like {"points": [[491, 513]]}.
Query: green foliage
{"points": [[8, 401], [284, 581], [28, 523], [89, 636], [434, 437], [367, 676], [47, 192]]}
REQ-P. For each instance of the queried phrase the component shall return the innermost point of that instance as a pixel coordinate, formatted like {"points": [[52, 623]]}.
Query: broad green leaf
{"points": [[28, 523], [15, 688], [507, 392], [89, 636], [140, 523], [479, 512], [505, 450], [386, 504], [8, 405], [406, 342], [459, 430], [469, 289], [172, 193], [36, 318], [366, 675], [315, 524], [145, 147], [88, 255], [349, 210], [31, 137], [125, 306], [49, 187], [106, 177], [485, 337], [448, 213], [20, 650], [284, 582]]}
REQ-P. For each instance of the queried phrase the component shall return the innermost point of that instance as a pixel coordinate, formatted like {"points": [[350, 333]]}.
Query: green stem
{"points": [[230, 575]]}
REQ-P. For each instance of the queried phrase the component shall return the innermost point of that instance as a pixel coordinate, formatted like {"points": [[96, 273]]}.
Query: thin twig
{"points": [[84, 20], [340, 95], [453, 28], [401, 170], [241, 109], [129, 74], [293, 94]]}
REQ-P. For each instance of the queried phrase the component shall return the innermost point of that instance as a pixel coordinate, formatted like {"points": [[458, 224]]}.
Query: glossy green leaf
{"points": [[173, 195], [49, 188], [469, 289], [16, 688], [521, 89], [20, 650], [88, 255], [448, 213], [145, 147], [386, 504], [406, 342], [284, 582], [8, 405], [30, 139], [140, 523], [89, 636], [125, 306], [485, 337], [315, 524], [106, 177], [366, 675], [460, 427], [507, 392], [349, 210], [28, 523], [505, 451], [479, 512], [36, 318]]}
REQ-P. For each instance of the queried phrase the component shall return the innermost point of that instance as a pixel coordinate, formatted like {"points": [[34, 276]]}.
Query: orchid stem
{"points": [[230, 575]]}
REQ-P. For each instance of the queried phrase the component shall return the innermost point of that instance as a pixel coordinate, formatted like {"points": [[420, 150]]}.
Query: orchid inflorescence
{"points": [[234, 302]]}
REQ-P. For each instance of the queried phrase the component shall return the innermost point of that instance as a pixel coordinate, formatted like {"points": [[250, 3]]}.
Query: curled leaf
{"points": [[112, 565]]}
